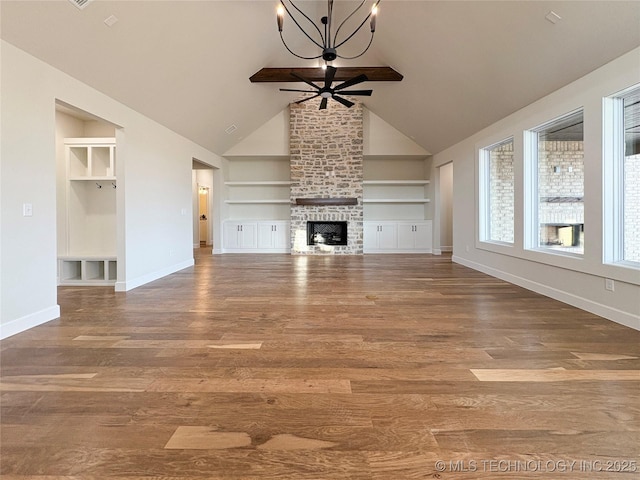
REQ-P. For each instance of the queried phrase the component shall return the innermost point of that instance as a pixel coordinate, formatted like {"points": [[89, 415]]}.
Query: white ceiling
{"points": [[186, 64]]}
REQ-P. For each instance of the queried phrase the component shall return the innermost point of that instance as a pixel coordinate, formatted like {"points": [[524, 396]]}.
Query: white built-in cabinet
{"points": [[256, 236], [396, 198], [397, 237], [257, 205], [274, 235], [415, 236], [240, 235], [380, 236], [90, 198]]}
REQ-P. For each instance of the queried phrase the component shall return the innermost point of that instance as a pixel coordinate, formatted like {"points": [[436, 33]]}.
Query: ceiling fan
{"points": [[327, 92]]}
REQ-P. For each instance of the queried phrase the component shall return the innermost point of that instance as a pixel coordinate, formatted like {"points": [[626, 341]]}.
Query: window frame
{"points": [[484, 192], [613, 185], [532, 191]]}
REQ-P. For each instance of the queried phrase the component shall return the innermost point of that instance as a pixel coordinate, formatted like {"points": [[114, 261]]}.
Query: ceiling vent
{"points": [[230, 129], [80, 3]]}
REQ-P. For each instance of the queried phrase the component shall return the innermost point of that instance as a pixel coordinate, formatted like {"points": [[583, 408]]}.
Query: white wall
{"points": [[154, 189], [578, 281]]}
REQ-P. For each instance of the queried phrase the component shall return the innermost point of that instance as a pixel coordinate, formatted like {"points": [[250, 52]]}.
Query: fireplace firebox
{"points": [[326, 233]]}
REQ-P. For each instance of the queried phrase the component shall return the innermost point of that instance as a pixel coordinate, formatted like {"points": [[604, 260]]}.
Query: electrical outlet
{"points": [[609, 284]]}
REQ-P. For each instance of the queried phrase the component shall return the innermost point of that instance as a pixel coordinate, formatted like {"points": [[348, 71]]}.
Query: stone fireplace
{"points": [[326, 150]]}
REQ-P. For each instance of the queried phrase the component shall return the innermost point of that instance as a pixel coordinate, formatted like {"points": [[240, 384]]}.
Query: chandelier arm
{"points": [[335, 37], [302, 29], [295, 54], [354, 32], [363, 52]]}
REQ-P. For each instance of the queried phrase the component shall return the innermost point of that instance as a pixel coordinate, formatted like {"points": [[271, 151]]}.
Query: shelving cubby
{"points": [[87, 270]]}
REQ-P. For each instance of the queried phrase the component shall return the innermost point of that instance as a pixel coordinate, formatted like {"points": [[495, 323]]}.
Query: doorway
{"points": [[445, 188], [204, 205], [203, 216]]}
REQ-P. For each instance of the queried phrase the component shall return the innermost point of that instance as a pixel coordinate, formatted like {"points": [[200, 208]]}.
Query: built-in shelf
{"points": [[256, 201], [96, 179], [265, 183], [396, 200], [396, 182]]}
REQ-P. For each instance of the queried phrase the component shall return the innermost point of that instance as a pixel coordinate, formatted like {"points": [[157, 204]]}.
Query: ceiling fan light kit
{"points": [[327, 92]]}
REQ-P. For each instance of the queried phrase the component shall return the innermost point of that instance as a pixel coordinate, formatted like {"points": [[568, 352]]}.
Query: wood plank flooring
{"points": [[282, 367]]}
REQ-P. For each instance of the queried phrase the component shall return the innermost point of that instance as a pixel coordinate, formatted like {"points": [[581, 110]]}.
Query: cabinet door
{"points": [[231, 235], [423, 236], [387, 236], [406, 236], [248, 235], [281, 235], [265, 235], [370, 238]]}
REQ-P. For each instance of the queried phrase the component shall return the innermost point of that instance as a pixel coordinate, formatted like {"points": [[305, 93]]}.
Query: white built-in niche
{"points": [[258, 204], [87, 186], [396, 204]]}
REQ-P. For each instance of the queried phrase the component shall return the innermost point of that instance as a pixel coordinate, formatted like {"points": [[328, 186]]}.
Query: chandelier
{"points": [[328, 41]]}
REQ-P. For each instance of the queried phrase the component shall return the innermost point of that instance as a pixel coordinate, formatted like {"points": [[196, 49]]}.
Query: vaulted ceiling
{"points": [[186, 64]]}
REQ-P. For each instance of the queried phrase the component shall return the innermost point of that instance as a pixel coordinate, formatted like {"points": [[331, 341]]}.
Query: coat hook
{"points": [[98, 185], [113, 185]]}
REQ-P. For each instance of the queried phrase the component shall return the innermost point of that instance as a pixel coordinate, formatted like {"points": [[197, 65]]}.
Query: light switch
{"points": [[27, 210]]}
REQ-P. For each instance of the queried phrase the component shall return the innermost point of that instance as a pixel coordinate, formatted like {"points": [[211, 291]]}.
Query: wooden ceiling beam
{"points": [[316, 74]]}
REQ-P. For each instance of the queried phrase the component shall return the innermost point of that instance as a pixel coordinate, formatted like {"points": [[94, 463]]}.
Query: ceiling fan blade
{"points": [[330, 73], [293, 74], [351, 81], [357, 92], [323, 104], [295, 90], [308, 98], [343, 101]]}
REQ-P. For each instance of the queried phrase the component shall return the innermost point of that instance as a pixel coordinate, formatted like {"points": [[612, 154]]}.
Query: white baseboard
{"points": [[255, 250], [610, 313], [415, 250], [446, 249], [196, 245], [150, 277], [216, 251], [18, 325], [437, 251]]}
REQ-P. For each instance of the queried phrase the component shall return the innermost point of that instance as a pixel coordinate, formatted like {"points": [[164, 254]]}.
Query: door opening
{"points": [[203, 215]]}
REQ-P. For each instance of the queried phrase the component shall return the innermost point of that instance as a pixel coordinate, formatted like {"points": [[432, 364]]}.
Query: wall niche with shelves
{"points": [[257, 188], [396, 188], [87, 212]]}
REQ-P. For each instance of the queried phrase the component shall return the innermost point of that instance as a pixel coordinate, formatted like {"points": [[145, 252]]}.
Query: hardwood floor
{"points": [[337, 367]]}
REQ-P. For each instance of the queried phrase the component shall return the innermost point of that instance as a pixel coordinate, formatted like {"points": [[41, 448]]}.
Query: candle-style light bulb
{"points": [[374, 14], [280, 16]]}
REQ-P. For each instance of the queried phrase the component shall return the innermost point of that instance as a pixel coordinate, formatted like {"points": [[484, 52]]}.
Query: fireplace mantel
{"points": [[327, 201]]}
